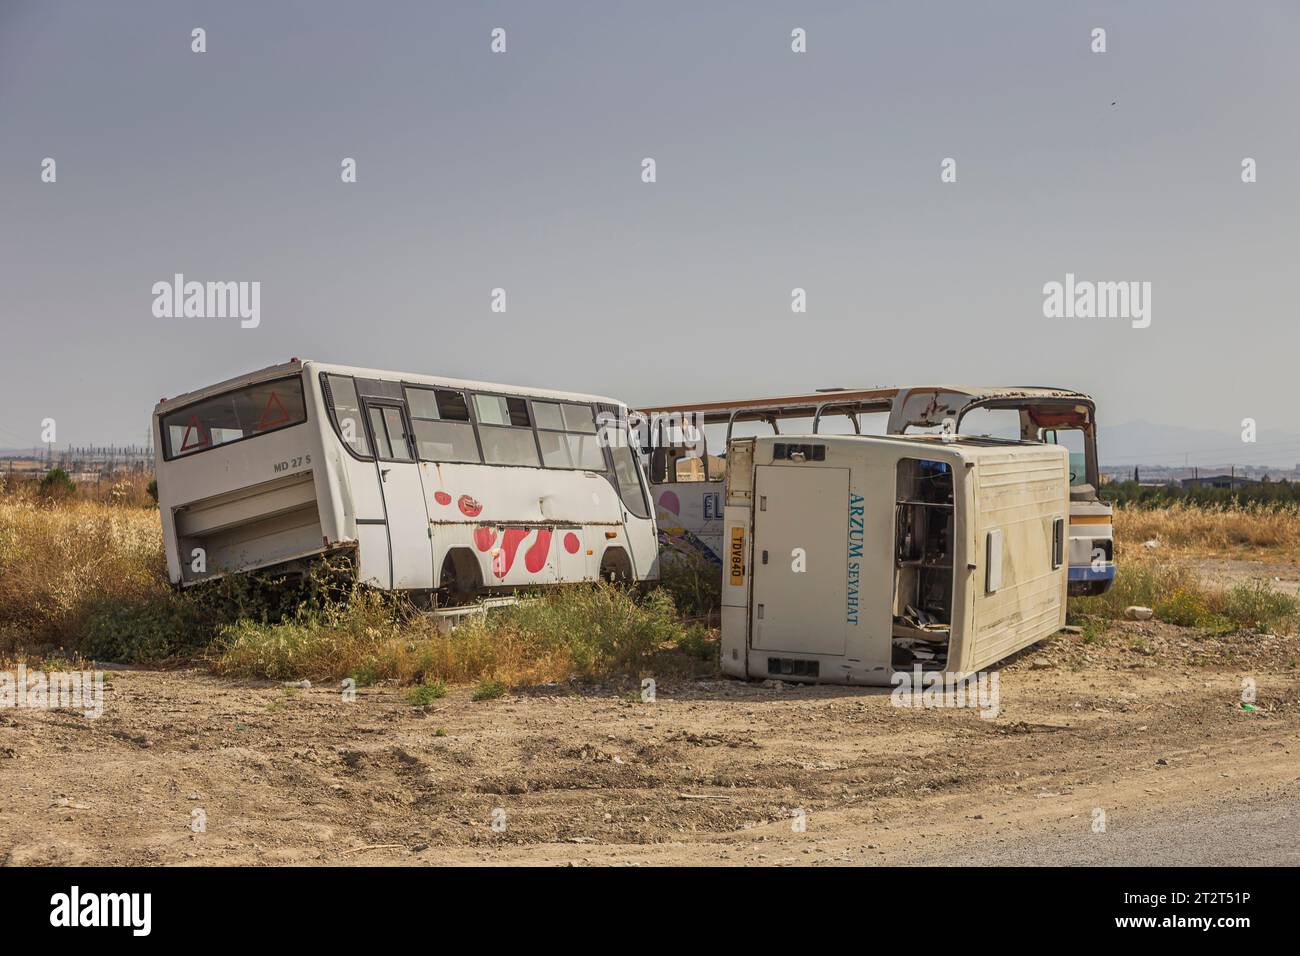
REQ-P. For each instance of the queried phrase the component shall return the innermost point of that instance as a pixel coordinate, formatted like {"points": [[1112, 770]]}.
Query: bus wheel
{"points": [[616, 567], [461, 579]]}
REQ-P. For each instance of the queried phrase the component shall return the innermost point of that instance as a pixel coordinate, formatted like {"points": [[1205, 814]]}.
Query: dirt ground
{"points": [[1143, 723], [1281, 575]]}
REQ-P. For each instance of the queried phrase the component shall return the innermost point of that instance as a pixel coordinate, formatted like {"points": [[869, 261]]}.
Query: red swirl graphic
{"points": [[535, 557], [510, 541]]}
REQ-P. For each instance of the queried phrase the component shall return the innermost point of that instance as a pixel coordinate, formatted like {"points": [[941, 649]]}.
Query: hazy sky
{"points": [[775, 170]]}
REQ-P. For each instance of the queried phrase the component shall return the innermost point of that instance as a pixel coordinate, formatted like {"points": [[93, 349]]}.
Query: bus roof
{"points": [[784, 406], [971, 444], [297, 365], [856, 400]]}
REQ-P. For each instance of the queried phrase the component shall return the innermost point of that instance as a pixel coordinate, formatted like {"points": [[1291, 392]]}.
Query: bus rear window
{"points": [[233, 416]]}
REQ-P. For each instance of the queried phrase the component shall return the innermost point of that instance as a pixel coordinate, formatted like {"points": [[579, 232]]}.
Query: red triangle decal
{"points": [[201, 436], [273, 415]]}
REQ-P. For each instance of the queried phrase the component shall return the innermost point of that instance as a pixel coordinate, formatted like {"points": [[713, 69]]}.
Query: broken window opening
{"points": [[923, 564]]}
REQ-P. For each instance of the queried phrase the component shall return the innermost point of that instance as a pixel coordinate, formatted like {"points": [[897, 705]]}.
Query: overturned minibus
{"points": [[848, 557]]}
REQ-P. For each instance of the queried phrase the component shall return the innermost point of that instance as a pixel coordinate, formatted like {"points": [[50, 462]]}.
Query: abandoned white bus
{"points": [[686, 477], [850, 557], [444, 488], [686, 483]]}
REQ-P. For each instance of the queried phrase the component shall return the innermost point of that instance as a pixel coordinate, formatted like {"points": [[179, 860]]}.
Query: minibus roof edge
{"points": [[411, 378]]}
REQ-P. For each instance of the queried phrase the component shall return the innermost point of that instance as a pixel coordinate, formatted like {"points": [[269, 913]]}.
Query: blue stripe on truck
{"points": [[1087, 572]]}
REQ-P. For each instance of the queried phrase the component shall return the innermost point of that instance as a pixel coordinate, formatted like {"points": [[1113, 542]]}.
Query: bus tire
{"points": [[461, 579], [616, 567]]}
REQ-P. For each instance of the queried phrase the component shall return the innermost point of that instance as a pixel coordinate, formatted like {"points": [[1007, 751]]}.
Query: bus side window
{"points": [[627, 475], [345, 409], [688, 467], [505, 431], [567, 436], [382, 443], [440, 420], [684, 464], [388, 425], [397, 436], [679, 453]]}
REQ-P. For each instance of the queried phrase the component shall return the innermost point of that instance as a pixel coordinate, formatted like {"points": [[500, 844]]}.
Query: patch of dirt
{"points": [[1145, 716], [1283, 576]]}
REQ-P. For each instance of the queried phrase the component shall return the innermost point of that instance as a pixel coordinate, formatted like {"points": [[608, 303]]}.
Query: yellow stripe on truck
{"points": [[736, 556], [1090, 519]]}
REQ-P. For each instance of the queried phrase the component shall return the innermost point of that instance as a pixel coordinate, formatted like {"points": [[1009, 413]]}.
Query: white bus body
{"points": [[852, 557], [688, 507], [437, 485]]}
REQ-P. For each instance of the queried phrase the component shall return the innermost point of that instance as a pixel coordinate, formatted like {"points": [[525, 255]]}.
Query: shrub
{"points": [[56, 484], [136, 631], [317, 643], [489, 690], [694, 583], [585, 631], [601, 629], [327, 588], [1186, 607], [1144, 584], [426, 693], [1178, 596], [699, 643], [1256, 605]]}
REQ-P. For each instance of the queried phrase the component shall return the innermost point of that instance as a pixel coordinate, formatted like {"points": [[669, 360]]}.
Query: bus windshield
{"points": [[1075, 442], [233, 416]]}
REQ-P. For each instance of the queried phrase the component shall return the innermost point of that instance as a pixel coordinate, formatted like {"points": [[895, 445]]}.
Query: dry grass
{"points": [[587, 632], [122, 489], [131, 490], [1210, 531], [1179, 596], [59, 561], [1163, 578], [89, 575]]}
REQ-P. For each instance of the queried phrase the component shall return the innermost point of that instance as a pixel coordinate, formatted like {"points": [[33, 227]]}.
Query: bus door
{"points": [[410, 548]]}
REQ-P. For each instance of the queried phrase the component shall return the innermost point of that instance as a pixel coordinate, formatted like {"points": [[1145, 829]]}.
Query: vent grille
{"points": [[793, 666]]}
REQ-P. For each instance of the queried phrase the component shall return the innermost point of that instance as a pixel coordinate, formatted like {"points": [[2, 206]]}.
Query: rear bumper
{"points": [[1086, 579], [292, 563]]}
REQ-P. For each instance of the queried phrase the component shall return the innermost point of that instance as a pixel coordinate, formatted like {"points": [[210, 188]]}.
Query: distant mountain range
{"points": [[1145, 443]]}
